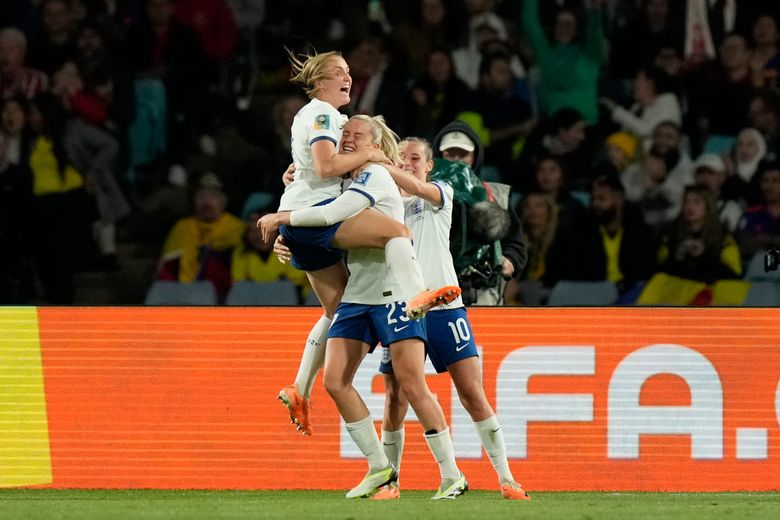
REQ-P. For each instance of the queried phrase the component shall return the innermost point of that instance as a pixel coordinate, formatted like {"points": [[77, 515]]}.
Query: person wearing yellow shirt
{"points": [[198, 247]]}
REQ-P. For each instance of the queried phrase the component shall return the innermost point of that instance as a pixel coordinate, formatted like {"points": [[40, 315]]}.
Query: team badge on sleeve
{"points": [[363, 178], [322, 122]]}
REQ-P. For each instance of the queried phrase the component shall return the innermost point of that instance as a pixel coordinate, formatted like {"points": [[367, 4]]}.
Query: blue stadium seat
{"points": [[311, 299], [755, 269], [762, 294], [280, 292], [567, 293], [174, 293]]}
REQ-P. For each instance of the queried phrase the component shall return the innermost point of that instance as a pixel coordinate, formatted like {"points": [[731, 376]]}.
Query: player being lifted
{"points": [[371, 311], [316, 132], [451, 345]]}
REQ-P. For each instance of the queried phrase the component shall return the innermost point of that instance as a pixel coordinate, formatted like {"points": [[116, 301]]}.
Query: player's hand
{"points": [[289, 175], [377, 155], [281, 251], [269, 224]]}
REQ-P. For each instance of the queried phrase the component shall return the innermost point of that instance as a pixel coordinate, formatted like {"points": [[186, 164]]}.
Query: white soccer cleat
{"points": [[451, 488], [372, 482]]}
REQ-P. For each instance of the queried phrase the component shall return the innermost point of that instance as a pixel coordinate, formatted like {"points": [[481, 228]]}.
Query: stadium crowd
{"points": [[639, 137]]}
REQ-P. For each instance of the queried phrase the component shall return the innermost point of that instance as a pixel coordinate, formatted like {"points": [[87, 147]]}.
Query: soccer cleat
{"points": [[372, 482], [390, 491], [299, 408], [511, 490], [417, 307], [451, 488]]}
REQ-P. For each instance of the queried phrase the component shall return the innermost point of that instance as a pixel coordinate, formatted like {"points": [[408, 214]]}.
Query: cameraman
{"points": [[482, 282]]}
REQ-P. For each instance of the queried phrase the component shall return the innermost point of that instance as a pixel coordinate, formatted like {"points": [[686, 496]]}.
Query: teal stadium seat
{"points": [[280, 292], [755, 269], [174, 293], [569, 293]]}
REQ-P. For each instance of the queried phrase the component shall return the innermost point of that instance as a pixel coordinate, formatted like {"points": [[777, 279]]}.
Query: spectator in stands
{"points": [[568, 70], [426, 31], [640, 41], [760, 226], [14, 125], [551, 181], [654, 103], [458, 142], [253, 259], [709, 170], [64, 210], [487, 34], [742, 183], [93, 150], [15, 77], [164, 48], [16, 231], [198, 247], [719, 96], [547, 251], [765, 58], [499, 116], [652, 185], [378, 87], [55, 44], [764, 115], [707, 25], [561, 136], [214, 22], [437, 95], [616, 244], [697, 246], [620, 150]]}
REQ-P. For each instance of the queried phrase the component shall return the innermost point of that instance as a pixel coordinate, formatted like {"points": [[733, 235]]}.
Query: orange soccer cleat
{"points": [[418, 306], [389, 491], [299, 408], [514, 491]]}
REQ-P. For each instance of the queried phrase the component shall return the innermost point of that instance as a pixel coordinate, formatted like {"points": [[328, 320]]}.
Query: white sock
{"points": [[492, 437], [400, 258], [444, 453], [364, 435], [313, 356], [393, 444]]}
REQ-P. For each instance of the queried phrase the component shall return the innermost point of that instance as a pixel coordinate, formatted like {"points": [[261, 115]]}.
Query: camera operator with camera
{"points": [[486, 239]]}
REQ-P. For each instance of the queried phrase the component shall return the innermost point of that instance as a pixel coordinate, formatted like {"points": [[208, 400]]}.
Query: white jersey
{"points": [[370, 281], [430, 226], [315, 121]]}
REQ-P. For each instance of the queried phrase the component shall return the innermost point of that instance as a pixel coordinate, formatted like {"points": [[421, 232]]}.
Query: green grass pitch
{"points": [[32, 504]]}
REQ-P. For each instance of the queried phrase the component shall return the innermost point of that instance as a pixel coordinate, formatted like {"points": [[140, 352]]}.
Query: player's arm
{"points": [[346, 205], [414, 186], [329, 163]]}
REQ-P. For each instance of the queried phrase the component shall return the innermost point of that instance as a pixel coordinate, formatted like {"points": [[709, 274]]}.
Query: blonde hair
{"points": [[308, 69], [381, 135], [422, 141]]}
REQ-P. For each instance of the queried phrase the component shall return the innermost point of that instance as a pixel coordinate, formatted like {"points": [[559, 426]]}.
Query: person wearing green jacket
{"points": [[569, 68]]}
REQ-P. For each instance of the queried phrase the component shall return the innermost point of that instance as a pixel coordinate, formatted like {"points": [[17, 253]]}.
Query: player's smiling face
{"points": [[356, 136], [335, 86], [414, 160]]}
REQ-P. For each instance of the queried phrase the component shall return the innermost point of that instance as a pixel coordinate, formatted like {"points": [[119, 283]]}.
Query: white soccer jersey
{"points": [[370, 281], [315, 121], [430, 226]]}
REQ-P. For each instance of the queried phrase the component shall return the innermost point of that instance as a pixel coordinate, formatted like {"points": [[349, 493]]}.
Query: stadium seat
{"points": [[755, 269], [573, 293], [311, 299], [763, 294], [174, 293], [280, 292]]}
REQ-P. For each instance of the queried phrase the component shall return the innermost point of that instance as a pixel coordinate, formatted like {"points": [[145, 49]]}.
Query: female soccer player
{"points": [[451, 344], [316, 132], [371, 311]]}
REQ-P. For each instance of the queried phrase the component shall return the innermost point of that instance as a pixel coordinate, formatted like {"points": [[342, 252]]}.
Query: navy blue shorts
{"points": [[450, 339], [374, 324], [310, 246]]}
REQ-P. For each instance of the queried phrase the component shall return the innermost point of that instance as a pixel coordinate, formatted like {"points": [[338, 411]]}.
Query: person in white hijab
{"points": [[745, 157]]}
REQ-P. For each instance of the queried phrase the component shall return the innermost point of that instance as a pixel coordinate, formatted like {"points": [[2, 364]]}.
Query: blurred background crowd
{"points": [[141, 139]]}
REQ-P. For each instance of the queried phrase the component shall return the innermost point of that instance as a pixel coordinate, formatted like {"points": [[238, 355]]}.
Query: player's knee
{"points": [[474, 401], [333, 384], [394, 230]]}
